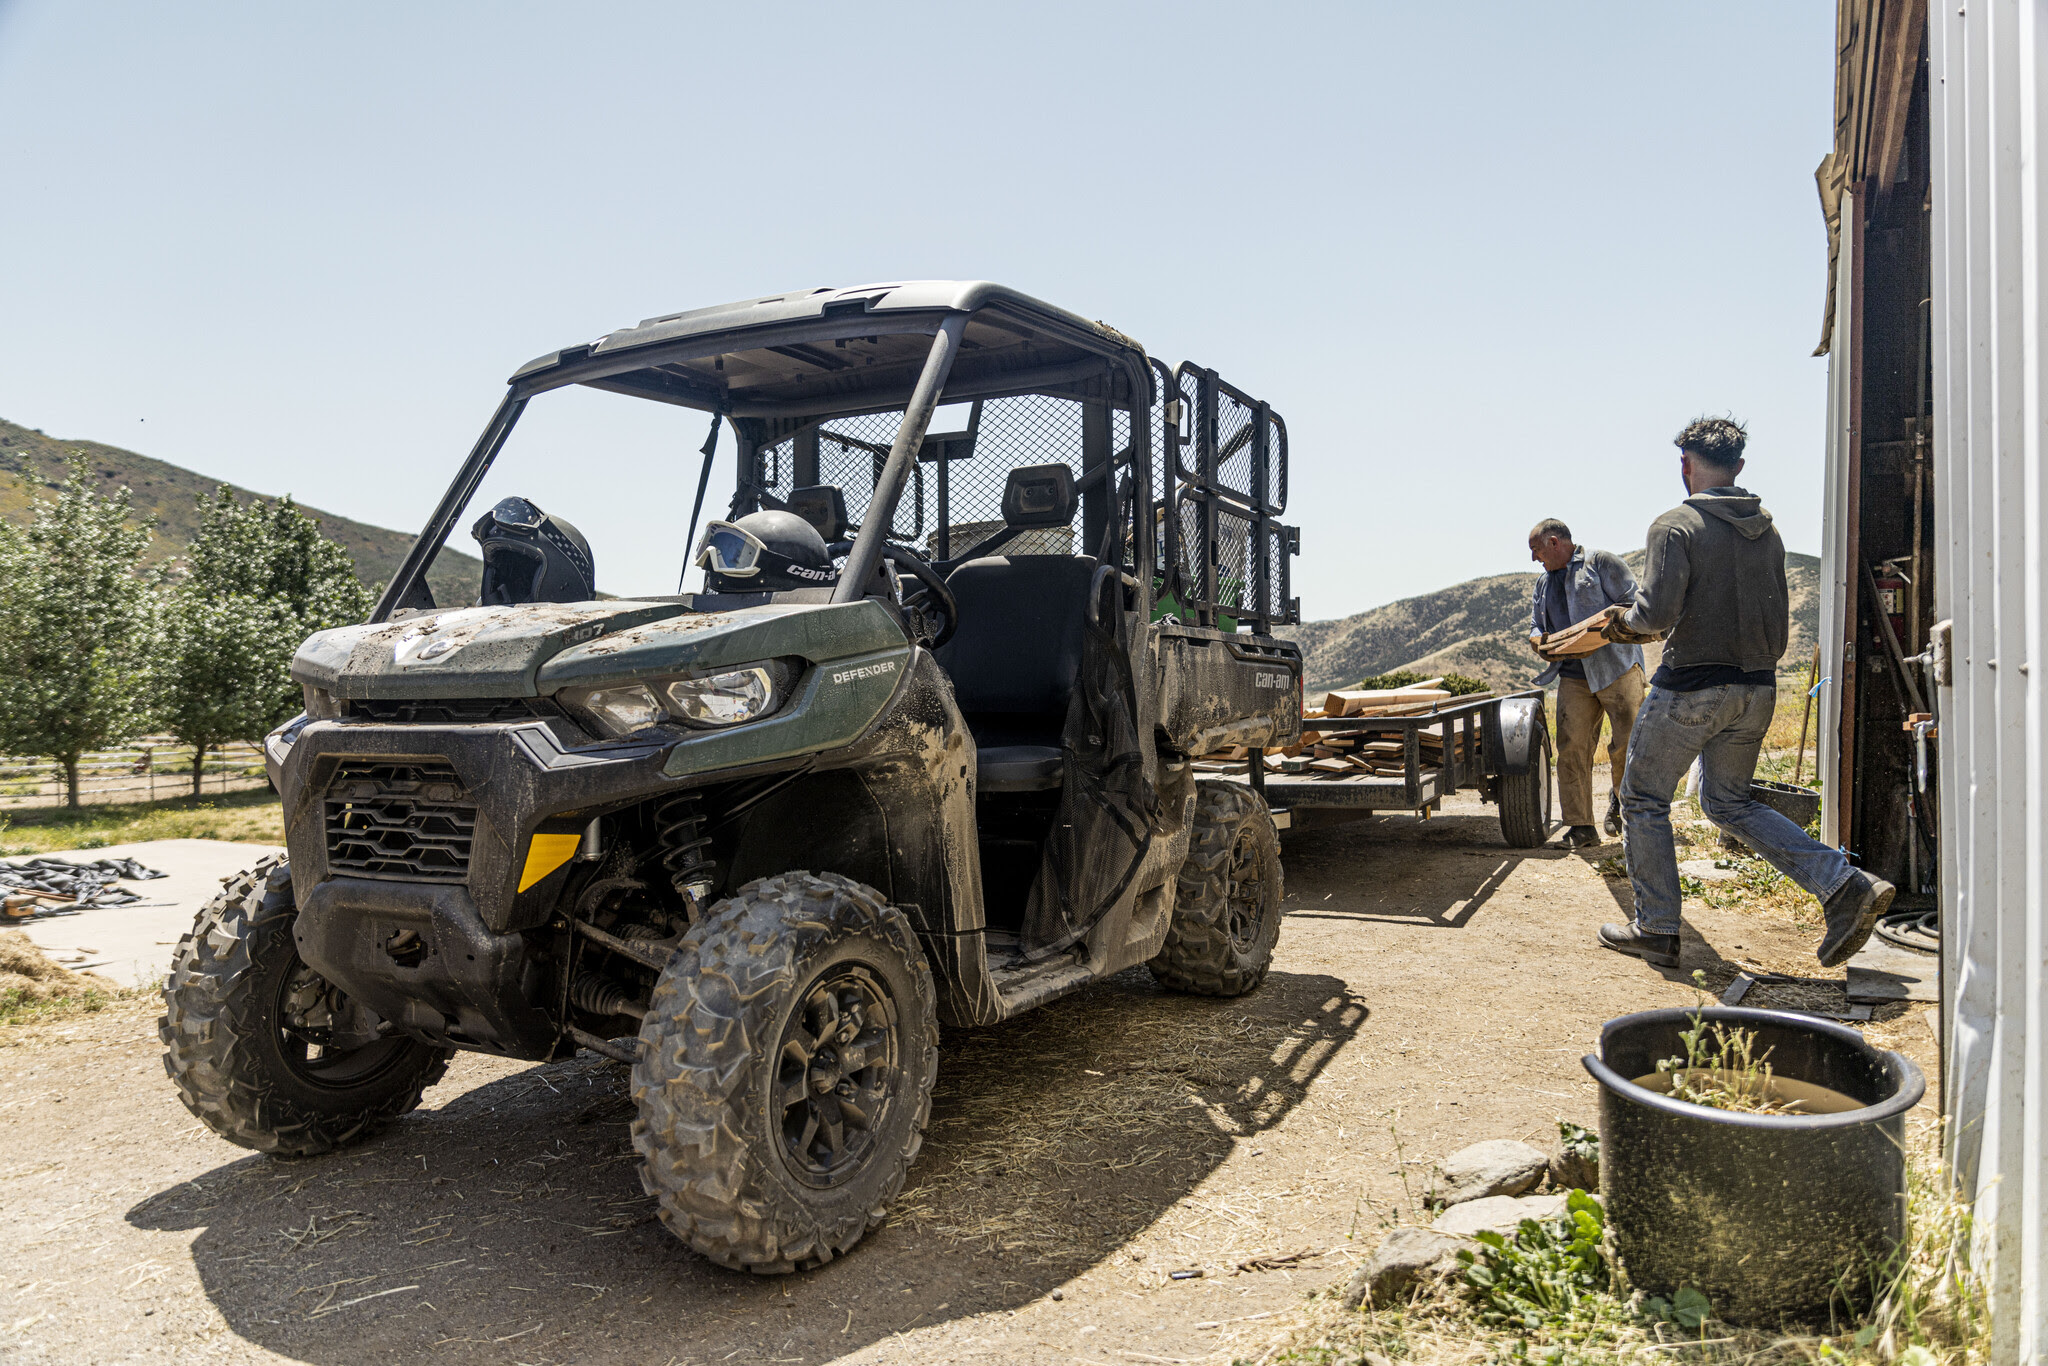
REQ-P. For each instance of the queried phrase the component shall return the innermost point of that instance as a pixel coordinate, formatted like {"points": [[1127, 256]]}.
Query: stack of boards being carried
{"points": [[1579, 638], [1351, 753]]}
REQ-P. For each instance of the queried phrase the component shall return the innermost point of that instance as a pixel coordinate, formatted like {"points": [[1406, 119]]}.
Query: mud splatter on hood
{"points": [[463, 652], [533, 650]]}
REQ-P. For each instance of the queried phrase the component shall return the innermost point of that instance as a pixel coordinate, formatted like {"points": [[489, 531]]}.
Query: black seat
{"points": [[1013, 660]]}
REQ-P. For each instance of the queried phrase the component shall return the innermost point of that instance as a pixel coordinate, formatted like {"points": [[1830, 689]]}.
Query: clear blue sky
{"points": [[1486, 258]]}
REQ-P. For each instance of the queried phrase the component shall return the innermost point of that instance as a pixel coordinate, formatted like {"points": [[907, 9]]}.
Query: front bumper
{"points": [[478, 792], [469, 988]]}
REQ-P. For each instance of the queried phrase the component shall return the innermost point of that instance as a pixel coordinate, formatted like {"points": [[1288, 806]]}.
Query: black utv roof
{"points": [[825, 350]]}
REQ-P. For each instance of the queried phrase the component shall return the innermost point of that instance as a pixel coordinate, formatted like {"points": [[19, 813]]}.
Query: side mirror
{"points": [[1039, 496]]}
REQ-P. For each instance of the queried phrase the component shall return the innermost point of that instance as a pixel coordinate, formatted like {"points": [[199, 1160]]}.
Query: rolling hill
{"points": [[1481, 628], [167, 497]]}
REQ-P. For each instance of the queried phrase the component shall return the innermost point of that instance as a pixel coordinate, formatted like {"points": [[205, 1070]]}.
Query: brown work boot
{"points": [[1659, 950], [1851, 914], [1580, 837]]}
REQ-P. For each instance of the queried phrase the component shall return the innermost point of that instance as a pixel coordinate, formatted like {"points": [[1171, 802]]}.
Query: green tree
{"points": [[257, 581], [75, 618]]}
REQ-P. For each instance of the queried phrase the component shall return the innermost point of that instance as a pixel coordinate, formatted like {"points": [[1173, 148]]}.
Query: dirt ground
{"points": [[1432, 988]]}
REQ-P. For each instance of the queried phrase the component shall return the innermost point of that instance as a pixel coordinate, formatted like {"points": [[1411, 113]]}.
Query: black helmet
{"points": [[764, 552], [530, 556]]}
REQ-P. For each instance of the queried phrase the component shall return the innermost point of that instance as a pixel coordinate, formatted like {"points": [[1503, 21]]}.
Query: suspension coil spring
{"points": [[679, 826]]}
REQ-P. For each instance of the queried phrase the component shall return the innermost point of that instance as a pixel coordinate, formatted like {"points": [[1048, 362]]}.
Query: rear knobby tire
{"points": [[1226, 912], [240, 1063], [1525, 801], [785, 1073]]}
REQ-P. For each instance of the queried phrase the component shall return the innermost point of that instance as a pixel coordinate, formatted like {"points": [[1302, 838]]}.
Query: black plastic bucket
{"points": [[1775, 1218], [1798, 805]]}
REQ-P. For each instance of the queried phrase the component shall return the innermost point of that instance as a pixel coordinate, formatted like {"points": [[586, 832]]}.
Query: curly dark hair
{"points": [[1718, 441]]}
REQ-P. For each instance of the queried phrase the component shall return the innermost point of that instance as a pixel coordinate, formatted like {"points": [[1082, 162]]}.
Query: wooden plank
{"points": [[1352, 701], [1579, 638]]}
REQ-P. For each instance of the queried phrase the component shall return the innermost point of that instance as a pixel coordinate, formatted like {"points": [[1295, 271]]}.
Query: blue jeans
{"points": [[1724, 727]]}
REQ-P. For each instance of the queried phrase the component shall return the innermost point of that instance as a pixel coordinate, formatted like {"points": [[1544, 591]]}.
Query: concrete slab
{"points": [[1883, 971], [132, 944]]}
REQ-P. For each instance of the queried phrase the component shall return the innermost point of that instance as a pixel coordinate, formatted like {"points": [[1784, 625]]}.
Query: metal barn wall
{"points": [[1989, 131]]}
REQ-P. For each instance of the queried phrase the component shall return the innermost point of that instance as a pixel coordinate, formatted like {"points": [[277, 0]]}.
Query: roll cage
{"points": [[1176, 469]]}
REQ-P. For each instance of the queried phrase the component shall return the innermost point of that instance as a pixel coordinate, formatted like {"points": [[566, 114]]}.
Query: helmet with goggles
{"points": [[532, 556], [764, 552]]}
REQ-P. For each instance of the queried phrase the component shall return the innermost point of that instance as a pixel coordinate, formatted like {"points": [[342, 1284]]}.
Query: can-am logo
{"points": [[864, 671], [797, 571], [1273, 680]]}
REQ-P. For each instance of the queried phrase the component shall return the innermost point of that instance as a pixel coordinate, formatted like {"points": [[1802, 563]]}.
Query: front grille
{"points": [[463, 711], [409, 820]]}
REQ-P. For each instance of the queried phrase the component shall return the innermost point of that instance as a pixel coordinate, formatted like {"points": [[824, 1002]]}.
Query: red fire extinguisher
{"points": [[1892, 587]]}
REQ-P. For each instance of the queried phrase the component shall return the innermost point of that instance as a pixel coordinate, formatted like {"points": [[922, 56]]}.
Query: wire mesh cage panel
{"points": [[850, 454], [1236, 445], [958, 479], [1221, 555], [1001, 435]]}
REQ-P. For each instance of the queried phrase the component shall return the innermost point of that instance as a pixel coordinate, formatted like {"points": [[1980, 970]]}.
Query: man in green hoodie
{"points": [[1715, 582]]}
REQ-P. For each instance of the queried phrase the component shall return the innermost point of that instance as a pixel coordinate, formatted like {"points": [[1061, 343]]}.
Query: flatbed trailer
{"points": [[1499, 746]]}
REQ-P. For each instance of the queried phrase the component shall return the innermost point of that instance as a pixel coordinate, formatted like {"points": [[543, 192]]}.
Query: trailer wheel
{"points": [[1525, 802], [258, 1043], [785, 1073], [1226, 913]]}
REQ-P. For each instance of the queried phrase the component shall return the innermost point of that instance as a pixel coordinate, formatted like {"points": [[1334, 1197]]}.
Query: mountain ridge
{"points": [[1481, 628], [166, 498]]}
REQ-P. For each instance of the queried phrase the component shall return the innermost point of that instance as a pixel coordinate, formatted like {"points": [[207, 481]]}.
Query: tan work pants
{"points": [[1579, 710]]}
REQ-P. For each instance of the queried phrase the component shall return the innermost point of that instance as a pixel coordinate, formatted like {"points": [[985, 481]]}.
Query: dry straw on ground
{"points": [[27, 974]]}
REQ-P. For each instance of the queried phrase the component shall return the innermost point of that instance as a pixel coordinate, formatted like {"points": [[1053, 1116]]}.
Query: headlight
{"points": [[723, 699], [618, 711]]}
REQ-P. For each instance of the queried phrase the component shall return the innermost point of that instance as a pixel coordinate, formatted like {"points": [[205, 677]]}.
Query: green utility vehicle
{"points": [[920, 754]]}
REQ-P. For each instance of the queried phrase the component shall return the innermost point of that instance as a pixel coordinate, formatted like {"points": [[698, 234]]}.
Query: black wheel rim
{"points": [[836, 1075], [307, 1012], [1244, 894]]}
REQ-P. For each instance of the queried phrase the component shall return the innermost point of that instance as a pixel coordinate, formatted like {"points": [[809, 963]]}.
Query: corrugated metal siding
{"points": [[1990, 251]]}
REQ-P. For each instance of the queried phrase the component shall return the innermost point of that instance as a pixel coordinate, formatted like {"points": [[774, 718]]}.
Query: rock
{"points": [[1404, 1256], [1574, 1171], [1705, 871], [1501, 1213], [1499, 1166]]}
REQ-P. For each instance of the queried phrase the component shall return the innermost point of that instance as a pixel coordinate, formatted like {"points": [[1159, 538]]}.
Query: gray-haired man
{"points": [[1575, 585]]}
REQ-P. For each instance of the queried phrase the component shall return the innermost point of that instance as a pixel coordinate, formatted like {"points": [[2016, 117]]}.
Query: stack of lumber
{"points": [[1350, 753], [1407, 701], [1579, 638]]}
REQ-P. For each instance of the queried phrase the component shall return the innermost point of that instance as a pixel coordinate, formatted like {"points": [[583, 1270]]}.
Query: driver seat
{"points": [[1013, 659]]}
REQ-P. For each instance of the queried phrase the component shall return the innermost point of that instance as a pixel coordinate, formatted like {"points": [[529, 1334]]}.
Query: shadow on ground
{"points": [[506, 1223], [1403, 860]]}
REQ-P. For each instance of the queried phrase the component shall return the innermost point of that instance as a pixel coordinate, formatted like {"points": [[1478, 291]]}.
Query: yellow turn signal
{"points": [[544, 854]]}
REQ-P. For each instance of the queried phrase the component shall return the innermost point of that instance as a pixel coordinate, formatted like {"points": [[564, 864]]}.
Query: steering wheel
{"points": [[930, 606]]}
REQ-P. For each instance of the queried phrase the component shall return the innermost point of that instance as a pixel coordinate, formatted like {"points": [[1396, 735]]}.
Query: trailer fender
{"points": [[1521, 730]]}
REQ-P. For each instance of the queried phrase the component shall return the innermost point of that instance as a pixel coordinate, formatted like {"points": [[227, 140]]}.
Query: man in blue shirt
{"points": [[1609, 682]]}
